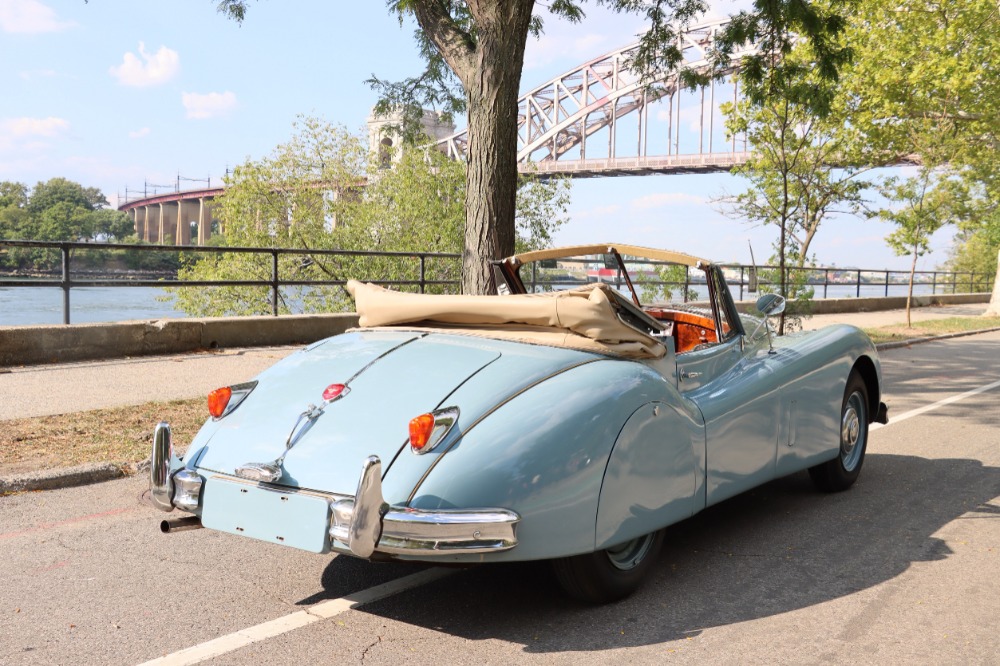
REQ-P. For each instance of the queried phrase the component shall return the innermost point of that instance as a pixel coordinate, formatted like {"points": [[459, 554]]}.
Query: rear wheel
{"points": [[841, 472], [611, 574]]}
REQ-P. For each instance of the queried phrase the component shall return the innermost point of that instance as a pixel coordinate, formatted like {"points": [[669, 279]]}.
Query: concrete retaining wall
{"points": [[31, 345]]}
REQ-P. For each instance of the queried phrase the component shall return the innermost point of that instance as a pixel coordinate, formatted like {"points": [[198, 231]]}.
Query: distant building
{"points": [[383, 137]]}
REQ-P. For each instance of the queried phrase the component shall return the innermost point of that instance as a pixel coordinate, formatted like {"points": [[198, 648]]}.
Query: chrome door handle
{"points": [[690, 375]]}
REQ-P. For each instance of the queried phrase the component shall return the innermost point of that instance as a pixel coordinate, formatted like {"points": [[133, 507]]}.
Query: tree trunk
{"points": [[909, 294], [491, 176], [993, 310], [489, 65]]}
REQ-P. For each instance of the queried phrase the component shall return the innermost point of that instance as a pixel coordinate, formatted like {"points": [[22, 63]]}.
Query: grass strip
{"points": [[116, 435], [931, 327]]}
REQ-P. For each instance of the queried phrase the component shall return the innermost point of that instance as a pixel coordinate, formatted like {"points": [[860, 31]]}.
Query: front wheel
{"points": [[611, 574], [841, 472]]}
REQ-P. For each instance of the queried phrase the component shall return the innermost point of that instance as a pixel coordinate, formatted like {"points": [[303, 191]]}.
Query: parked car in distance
{"points": [[560, 420]]}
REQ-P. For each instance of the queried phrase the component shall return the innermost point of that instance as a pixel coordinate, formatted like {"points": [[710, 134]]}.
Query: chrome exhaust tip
{"points": [[180, 524]]}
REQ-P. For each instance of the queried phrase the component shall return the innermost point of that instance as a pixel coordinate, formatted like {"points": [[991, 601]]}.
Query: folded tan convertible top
{"points": [[581, 318]]}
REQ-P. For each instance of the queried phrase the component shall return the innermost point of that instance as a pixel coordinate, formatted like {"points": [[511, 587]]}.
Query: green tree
{"points": [[806, 164], [56, 191], [925, 204], [13, 195], [928, 74], [474, 53], [320, 191]]}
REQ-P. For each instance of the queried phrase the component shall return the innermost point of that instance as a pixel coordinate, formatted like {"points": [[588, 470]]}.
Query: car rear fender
{"points": [[543, 454], [656, 472]]}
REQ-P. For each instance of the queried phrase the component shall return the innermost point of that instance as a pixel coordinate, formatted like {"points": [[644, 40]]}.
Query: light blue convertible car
{"points": [[560, 420]]}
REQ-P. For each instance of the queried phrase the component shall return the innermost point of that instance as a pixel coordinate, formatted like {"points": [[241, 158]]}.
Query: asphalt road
{"points": [[900, 569]]}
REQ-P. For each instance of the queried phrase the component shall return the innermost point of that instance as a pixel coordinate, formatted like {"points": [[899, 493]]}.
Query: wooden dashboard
{"points": [[690, 330]]}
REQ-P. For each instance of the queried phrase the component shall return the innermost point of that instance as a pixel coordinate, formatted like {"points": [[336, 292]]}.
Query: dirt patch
{"points": [[116, 435]]}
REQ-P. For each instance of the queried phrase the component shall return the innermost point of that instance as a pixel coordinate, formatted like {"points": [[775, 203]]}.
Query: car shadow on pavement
{"points": [[779, 548]]}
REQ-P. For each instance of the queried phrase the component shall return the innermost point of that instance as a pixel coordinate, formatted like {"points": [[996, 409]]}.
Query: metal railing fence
{"points": [[847, 281], [275, 282]]}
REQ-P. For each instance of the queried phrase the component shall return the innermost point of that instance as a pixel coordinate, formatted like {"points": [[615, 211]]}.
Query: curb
{"points": [[68, 477], [54, 479], [882, 346]]}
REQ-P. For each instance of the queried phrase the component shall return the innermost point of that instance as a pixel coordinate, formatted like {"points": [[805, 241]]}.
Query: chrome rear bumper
{"points": [[367, 524], [360, 526]]}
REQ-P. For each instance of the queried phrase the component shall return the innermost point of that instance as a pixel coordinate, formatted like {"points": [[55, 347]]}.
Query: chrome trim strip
{"points": [[416, 532], [161, 485]]}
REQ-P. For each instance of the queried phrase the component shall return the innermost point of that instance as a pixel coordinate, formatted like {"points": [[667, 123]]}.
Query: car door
{"points": [[735, 386]]}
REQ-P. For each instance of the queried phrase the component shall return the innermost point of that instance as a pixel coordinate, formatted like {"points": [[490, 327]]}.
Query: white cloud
{"points": [[29, 127], [210, 105], [29, 17], [139, 133], [31, 74], [151, 70], [660, 199], [27, 135]]}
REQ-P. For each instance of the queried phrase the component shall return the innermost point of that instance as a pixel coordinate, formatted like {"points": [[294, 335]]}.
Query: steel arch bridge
{"points": [[573, 125]]}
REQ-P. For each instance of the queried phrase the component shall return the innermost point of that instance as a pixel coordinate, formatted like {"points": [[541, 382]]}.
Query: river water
{"points": [[20, 306]]}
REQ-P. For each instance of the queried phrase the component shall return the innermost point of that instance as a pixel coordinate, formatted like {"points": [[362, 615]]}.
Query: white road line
{"points": [[321, 611], [935, 405]]}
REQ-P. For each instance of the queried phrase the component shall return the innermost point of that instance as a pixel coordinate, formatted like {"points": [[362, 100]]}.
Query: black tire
{"points": [[611, 574], [841, 472]]}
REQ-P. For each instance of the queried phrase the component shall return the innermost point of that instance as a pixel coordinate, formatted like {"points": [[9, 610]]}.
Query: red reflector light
{"points": [[218, 400], [333, 391], [420, 430]]}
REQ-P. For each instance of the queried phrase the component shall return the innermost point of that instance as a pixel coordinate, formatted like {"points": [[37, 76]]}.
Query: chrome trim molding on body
{"points": [[366, 524]]}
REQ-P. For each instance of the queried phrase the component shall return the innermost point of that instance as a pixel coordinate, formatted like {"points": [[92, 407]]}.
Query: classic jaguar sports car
{"points": [[560, 420]]}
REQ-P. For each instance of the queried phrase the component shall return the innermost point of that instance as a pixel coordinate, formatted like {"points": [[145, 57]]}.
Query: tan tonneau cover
{"points": [[581, 318]]}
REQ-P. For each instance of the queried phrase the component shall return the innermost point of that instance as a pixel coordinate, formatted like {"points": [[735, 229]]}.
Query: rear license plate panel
{"points": [[289, 518]]}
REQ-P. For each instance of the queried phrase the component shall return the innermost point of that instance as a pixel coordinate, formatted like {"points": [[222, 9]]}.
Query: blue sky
{"points": [[112, 94]]}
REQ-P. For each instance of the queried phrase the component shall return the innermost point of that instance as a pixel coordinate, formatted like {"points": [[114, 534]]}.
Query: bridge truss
{"points": [[578, 123]]}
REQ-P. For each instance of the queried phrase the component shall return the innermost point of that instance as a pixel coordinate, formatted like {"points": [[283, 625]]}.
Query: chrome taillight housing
{"points": [[428, 430], [222, 401]]}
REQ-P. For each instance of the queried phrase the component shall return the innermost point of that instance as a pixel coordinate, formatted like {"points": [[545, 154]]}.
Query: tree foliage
{"points": [[806, 165], [928, 73], [55, 210], [923, 204], [321, 191]]}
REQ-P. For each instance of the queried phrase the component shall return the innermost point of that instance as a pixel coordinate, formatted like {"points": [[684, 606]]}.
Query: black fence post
{"points": [[65, 284], [742, 268], [887, 283], [858, 292], [274, 282], [826, 281], [423, 273]]}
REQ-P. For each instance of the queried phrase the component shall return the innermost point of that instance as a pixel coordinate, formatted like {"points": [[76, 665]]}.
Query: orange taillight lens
{"points": [[421, 428], [218, 400]]}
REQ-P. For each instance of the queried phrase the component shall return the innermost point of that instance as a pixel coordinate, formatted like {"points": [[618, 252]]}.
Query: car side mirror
{"points": [[768, 305], [771, 304]]}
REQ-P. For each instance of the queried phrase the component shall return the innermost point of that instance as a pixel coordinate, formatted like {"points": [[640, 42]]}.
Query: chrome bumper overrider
{"points": [[367, 524], [362, 525]]}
